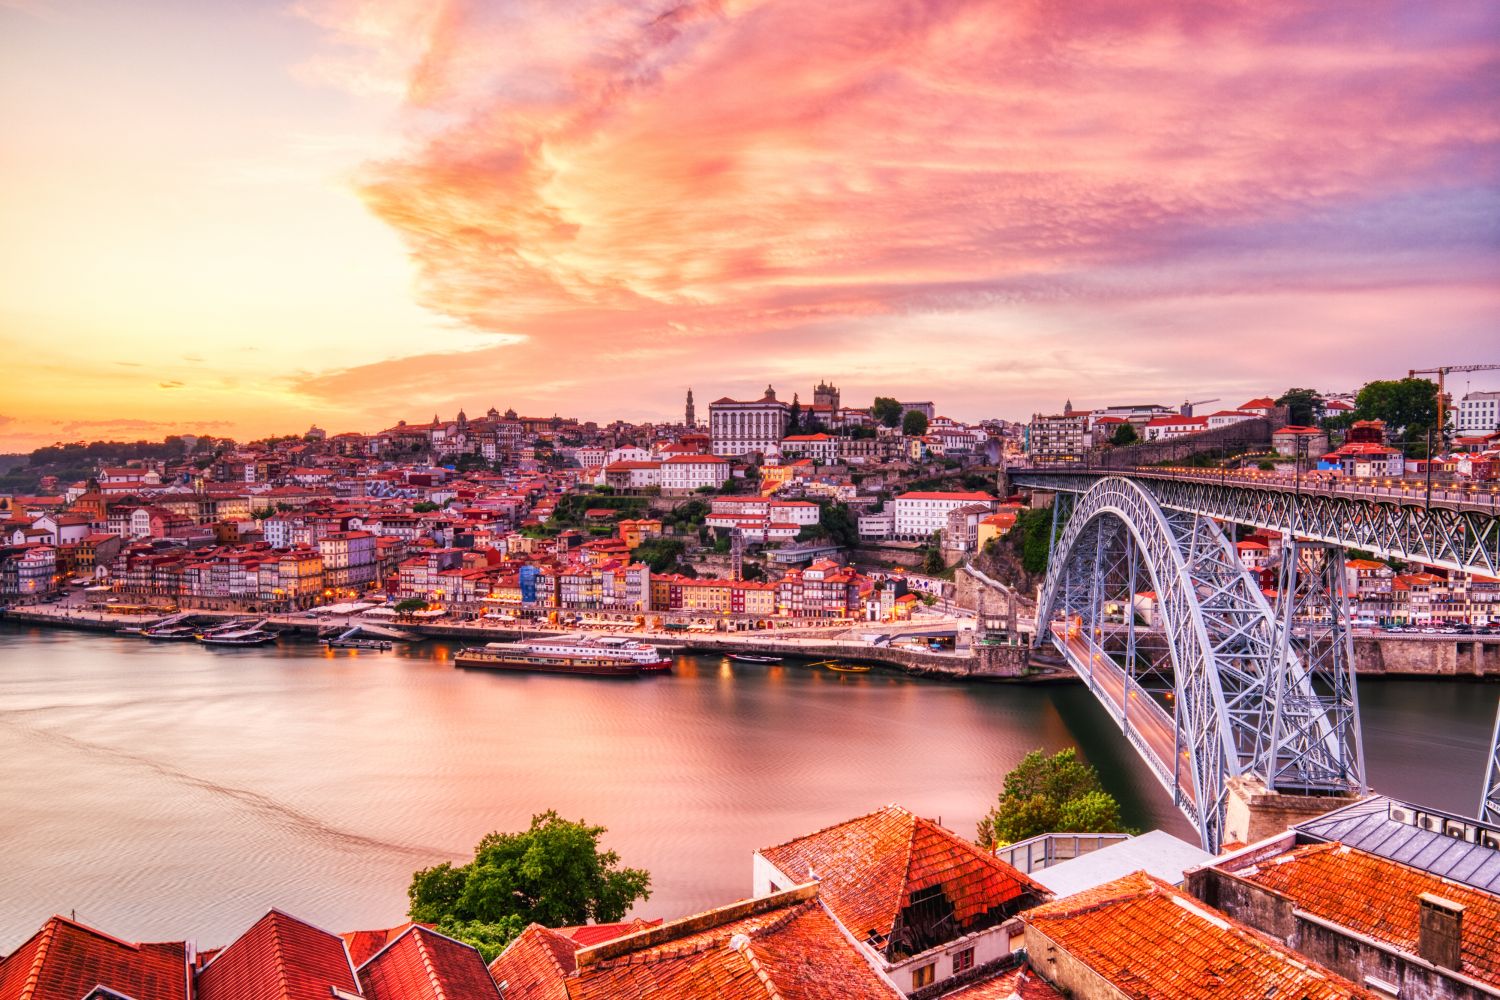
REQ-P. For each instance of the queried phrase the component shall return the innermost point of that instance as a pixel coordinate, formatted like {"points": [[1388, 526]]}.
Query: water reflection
{"points": [[168, 789]]}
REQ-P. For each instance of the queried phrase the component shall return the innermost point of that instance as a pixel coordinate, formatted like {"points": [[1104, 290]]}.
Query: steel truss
{"points": [[1233, 666], [1489, 804], [1456, 536]]}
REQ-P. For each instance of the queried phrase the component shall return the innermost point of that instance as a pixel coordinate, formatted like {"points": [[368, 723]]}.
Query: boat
{"points": [[847, 668], [351, 643], [754, 658], [242, 633], [241, 637], [589, 656], [172, 633]]}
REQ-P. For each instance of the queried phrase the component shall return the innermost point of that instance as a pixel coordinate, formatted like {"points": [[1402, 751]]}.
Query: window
{"points": [[923, 975], [963, 961]]}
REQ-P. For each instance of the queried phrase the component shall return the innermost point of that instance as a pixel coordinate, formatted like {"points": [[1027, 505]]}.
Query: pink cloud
{"points": [[705, 183]]}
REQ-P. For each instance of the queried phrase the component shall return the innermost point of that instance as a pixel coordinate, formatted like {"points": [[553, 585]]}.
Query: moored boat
{"points": [[846, 668], [245, 637], [754, 658], [585, 656]]}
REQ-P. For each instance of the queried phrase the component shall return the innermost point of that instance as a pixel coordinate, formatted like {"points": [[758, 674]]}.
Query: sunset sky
{"points": [[245, 216]]}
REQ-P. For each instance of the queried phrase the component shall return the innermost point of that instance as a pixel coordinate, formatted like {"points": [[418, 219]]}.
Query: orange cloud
{"points": [[647, 188]]}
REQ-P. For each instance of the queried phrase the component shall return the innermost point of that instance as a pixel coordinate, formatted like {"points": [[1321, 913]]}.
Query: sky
{"points": [[242, 217]]}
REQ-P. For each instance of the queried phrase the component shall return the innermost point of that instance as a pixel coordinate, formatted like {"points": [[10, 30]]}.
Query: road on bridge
{"points": [[1151, 723]]}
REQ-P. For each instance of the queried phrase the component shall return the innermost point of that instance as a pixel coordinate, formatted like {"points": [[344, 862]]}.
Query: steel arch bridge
{"points": [[1221, 683]]}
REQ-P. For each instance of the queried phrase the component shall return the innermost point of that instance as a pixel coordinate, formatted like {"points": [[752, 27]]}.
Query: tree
{"points": [[794, 418], [409, 605], [1304, 406], [424, 507], [886, 410], [932, 556], [1408, 406], [553, 874], [914, 424], [1124, 435], [1049, 795]]}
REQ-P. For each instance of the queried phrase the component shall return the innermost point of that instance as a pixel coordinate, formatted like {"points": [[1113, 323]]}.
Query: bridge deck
{"points": [[1148, 726]]}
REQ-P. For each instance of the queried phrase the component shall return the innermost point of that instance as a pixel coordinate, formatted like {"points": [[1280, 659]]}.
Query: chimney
{"points": [[1440, 934]]}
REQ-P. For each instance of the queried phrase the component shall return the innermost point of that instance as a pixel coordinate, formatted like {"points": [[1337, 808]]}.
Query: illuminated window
{"points": [[923, 975]]}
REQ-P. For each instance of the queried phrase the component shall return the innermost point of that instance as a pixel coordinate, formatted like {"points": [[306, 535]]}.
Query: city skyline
{"points": [[243, 219]]}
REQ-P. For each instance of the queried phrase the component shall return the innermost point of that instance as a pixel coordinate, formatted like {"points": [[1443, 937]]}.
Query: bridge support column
{"points": [[1254, 812]]}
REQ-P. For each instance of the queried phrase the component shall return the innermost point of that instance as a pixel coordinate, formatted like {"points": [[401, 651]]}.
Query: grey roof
{"points": [[1370, 826], [1156, 852]]}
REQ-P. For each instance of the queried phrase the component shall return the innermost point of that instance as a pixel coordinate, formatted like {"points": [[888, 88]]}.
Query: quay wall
{"points": [[1374, 656]]}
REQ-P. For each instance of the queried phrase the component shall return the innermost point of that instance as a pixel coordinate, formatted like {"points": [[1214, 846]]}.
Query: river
{"points": [[170, 790]]}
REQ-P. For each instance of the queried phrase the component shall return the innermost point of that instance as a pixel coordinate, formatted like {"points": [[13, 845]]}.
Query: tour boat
{"points": [[172, 633], [587, 656], [753, 658], [243, 633]]}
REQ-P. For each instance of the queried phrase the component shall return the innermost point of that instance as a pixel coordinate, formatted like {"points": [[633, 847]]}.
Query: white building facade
{"points": [[744, 427]]}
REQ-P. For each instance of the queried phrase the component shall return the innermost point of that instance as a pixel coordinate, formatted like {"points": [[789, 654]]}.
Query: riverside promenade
{"points": [[1007, 663]]}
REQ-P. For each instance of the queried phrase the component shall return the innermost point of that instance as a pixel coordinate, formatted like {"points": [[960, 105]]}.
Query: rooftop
{"points": [[1148, 939]]}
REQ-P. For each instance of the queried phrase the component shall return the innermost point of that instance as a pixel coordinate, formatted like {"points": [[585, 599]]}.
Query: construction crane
{"points": [[1442, 398], [1187, 408]]}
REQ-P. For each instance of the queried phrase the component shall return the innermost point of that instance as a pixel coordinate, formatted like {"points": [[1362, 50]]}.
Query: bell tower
{"points": [[690, 417]]}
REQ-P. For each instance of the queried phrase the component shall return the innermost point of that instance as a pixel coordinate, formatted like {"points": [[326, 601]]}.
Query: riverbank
{"points": [[1006, 664], [1382, 655]]}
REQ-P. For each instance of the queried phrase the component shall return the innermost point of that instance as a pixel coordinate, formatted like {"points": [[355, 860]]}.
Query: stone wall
{"points": [[1448, 656], [1243, 436]]}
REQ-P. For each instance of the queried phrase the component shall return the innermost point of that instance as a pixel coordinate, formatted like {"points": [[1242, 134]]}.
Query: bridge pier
{"points": [[1254, 812]]}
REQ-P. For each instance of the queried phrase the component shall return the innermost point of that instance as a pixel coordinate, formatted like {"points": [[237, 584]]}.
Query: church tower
{"points": [[690, 417]]}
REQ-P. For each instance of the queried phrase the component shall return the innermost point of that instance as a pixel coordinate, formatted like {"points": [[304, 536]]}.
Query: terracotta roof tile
{"points": [[870, 867], [1377, 897], [536, 965], [786, 946], [278, 958], [422, 964], [1015, 984], [1148, 939], [363, 945], [64, 960]]}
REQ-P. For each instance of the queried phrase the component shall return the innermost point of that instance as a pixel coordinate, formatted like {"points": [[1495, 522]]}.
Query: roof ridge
{"points": [[911, 839], [432, 975], [281, 962], [747, 952], [28, 989]]}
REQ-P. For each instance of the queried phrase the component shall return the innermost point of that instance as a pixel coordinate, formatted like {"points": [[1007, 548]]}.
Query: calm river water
{"points": [[167, 790]]}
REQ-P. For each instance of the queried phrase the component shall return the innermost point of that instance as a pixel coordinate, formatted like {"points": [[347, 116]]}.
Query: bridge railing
{"points": [[1467, 495]]}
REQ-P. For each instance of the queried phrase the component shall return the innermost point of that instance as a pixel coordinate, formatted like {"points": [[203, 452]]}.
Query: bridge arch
{"points": [[1242, 701]]}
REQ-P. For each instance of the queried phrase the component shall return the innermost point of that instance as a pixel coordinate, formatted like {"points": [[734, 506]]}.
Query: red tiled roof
{"points": [[1377, 897], [869, 867], [65, 959], [422, 964], [785, 946], [278, 958], [536, 965], [1148, 939], [588, 935], [363, 945], [1016, 984]]}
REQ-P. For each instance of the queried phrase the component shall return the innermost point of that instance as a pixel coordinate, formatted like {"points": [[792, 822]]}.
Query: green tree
{"points": [[1049, 795], [794, 418], [932, 555], [1124, 435], [1408, 406], [409, 605], [424, 507], [553, 874], [660, 554], [1304, 406], [835, 519], [914, 424], [886, 410]]}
